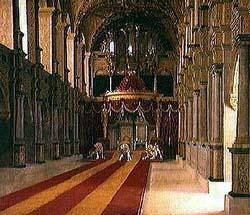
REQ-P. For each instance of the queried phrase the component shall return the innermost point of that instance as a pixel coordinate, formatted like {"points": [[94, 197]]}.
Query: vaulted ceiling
{"points": [[92, 17]]}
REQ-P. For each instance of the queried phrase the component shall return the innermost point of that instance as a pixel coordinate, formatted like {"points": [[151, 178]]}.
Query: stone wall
{"points": [[37, 112], [198, 158]]}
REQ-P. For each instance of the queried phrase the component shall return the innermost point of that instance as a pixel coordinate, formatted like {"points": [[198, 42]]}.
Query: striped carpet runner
{"points": [[107, 187]]}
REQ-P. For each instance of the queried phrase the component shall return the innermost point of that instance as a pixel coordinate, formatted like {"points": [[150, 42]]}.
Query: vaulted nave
{"points": [[125, 107]]}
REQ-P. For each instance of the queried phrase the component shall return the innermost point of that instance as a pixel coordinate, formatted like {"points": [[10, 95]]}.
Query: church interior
{"points": [[122, 107]]}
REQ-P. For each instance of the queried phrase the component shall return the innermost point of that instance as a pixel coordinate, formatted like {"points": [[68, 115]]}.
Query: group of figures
{"points": [[152, 151]]}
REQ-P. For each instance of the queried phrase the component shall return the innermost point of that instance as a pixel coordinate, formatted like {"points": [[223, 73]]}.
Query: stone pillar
{"points": [[158, 121], [76, 138], [181, 131], [196, 115], [238, 200], [67, 148], [86, 72], [70, 57], [31, 22], [79, 65], [216, 147], [190, 119], [180, 125], [203, 114], [19, 146], [60, 28], [55, 134], [39, 134], [45, 32], [185, 128]]}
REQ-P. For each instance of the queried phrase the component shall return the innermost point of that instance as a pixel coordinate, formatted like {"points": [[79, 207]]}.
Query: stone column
{"points": [[185, 128], [70, 57], [238, 200], [45, 32], [39, 134], [180, 125], [67, 146], [55, 134], [33, 31], [60, 27], [203, 114], [19, 146], [181, 131], [76, 139], [158, 121], [196, 115], [241, 148], [76, 143], [216, 147], [190, 119], [86, 72]]}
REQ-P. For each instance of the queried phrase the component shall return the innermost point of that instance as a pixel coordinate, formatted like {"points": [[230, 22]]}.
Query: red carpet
{"points": [[128, 198], [66, 201], [18, 196]]}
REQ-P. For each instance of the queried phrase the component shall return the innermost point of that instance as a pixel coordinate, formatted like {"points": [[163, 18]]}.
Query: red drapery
{"points": [[91, 127]]}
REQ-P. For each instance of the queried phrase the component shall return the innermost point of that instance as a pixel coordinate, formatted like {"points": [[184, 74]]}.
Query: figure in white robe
{"points": [[99, 151], [124, 149]]}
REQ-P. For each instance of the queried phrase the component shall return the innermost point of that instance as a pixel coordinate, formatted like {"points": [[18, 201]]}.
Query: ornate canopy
{"points": [[131, 87]]}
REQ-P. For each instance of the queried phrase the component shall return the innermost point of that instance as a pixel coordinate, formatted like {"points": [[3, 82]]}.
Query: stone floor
{"points": [[13, 179], [171, 190]]}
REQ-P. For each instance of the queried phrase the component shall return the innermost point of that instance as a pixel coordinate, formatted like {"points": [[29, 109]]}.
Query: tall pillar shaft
{"points": [[238, 200], [86, 72], [196, 115], [216, 147], [241, 149], [190, 119], [181, 123], [70, 57], [45, 30], [60, 27], [55, 133], [19, 147], [185, 124], [39, 134], [217, 107], [203, 114]]}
